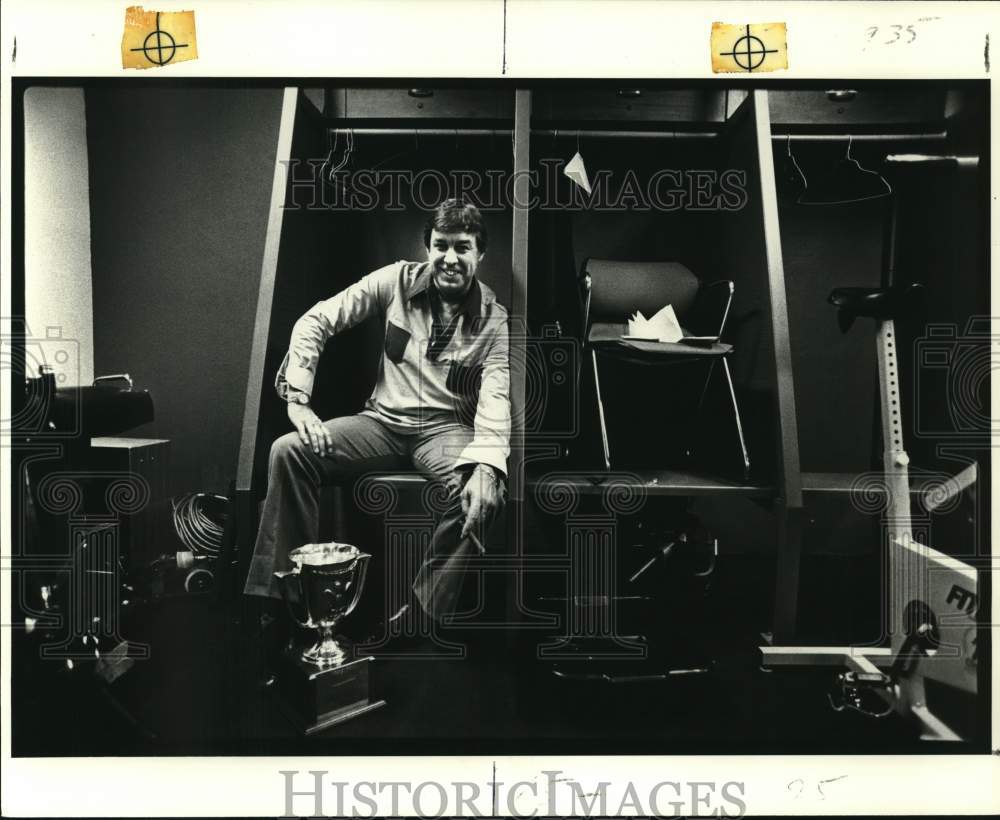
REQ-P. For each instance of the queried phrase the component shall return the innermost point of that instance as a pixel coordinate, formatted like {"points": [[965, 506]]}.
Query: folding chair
{"points": [[612, 291]]}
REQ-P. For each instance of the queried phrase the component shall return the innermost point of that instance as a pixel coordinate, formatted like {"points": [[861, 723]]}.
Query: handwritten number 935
{"points": [[895, 34]]}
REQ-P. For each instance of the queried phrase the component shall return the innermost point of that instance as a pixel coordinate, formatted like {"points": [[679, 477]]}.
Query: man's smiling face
{"points": [[454, 258]]}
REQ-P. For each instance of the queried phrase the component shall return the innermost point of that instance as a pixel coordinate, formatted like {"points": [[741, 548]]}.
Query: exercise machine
{"points": [[931, 616]]}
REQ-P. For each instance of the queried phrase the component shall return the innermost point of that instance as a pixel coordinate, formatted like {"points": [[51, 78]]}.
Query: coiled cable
{"points": [[200, 520]]}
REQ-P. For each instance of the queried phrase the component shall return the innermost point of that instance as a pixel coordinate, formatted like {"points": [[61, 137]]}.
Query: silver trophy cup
{"points": [[329, 578]]}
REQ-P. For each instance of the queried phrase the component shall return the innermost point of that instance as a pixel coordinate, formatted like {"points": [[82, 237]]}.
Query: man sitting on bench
{"points": [[441, 403]]}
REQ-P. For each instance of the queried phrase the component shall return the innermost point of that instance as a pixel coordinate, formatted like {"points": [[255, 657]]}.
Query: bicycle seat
{"points": [[875, 303]]}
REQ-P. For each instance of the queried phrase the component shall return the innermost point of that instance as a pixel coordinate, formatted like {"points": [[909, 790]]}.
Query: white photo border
{"points": [[500, 39]]}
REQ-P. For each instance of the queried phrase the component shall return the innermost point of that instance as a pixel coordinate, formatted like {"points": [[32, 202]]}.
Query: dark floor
{"points": [[204, 689]]}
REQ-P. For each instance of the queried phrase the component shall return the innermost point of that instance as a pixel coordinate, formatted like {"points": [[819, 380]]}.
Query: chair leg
{"points": [[697, 413], [600, 412], [704, 387], [739, 424]]}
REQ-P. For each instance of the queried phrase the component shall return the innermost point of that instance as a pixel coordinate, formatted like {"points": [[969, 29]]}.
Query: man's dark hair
{"points": [[453, 216]]}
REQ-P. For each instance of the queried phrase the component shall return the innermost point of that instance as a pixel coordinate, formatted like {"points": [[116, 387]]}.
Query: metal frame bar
{"points": [[704, 387], [897, 519], [729, 302], [736, 415], [600, 412], [611, 133], [860, 660], [711, 369], [961, 481], [968, 161]]}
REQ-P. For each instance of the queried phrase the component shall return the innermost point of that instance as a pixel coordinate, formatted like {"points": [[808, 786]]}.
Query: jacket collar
{"points": [[472, 306]]}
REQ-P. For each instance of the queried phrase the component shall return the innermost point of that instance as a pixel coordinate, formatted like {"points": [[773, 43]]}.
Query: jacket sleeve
{"points": [[491, 441], [352, 305]]}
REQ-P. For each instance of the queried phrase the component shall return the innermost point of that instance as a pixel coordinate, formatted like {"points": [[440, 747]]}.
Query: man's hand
{"points": [[310, 428], [481, 498]]}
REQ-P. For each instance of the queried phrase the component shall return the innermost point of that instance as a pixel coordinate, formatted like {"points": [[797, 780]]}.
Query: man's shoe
{"points": [[409, 613], [408, 632]]}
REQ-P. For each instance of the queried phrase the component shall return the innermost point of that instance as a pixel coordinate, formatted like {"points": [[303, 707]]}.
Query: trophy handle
{"points": [[359, 582], [285, 578]]}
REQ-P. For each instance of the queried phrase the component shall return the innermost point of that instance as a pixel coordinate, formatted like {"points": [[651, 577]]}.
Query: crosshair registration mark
{"points": [[171, 46], [753, 53]]}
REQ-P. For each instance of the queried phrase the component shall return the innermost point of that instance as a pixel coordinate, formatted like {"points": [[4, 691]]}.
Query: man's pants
{"points": [[361, 445]]}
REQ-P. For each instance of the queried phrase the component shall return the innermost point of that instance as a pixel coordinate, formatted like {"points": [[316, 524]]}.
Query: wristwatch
{"points": [[296, 397]]}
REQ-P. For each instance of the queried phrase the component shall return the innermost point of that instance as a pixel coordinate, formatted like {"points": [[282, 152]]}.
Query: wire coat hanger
{"points": [[331, 173], [792, 173], [846, 182]]}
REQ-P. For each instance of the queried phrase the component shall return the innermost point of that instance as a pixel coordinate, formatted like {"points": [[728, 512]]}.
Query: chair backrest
{"points": [[618, 289]]}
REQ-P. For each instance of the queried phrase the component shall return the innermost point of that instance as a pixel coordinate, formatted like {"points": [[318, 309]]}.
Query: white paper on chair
{"points": [[663, 327]]}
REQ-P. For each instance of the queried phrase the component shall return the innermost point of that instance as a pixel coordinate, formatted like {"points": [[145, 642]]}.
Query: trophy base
{"points": [[316, 698]]}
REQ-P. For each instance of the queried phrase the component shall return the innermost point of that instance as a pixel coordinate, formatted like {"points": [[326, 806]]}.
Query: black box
{"points": [[145, 533]]}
